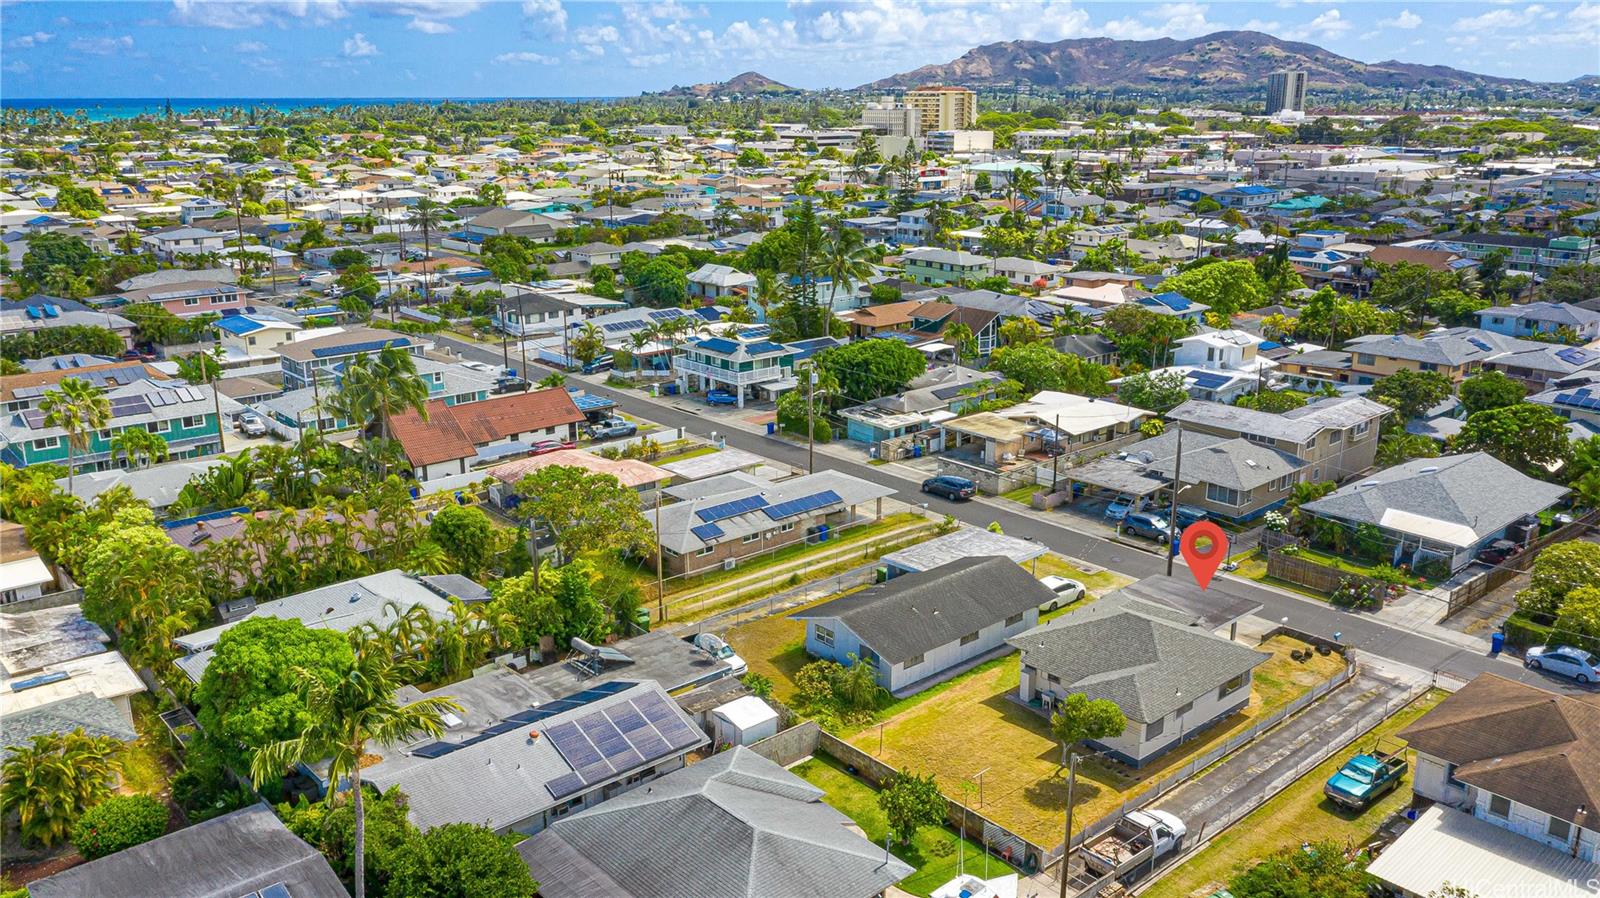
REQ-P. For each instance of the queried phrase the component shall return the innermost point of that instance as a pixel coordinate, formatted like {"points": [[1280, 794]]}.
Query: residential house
{"points": [[639, 476], [158, 485], [23, 574], [171, 243], [41, 313], [1457, 354], [1232, 478], [185, 416], [937, 395], [915, 627], [320, 358], [1094, 348], [1572, 187], [246, 852], [730, 517], [1536, 255], [1073, 422], [200, 207], [1513, 772], [1536, 318], [1248, 198], [930, 265], [1440, 512], [376, 599], [737, 366], [455, 438], [21, 392], [592, 254], [1337, 437], [249, 338], [509, 223], [1576, 398], [1538, 364], [753, 828], [711, 282], [1175, 305], [189, 298], [543, 763], [1027, 272], [1220, 365], [1171, 679], [59, 673]]}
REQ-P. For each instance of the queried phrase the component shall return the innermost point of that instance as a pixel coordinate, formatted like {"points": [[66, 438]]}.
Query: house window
{"points": [[969, 639], [1186, 709], [192, 421], [786, 527], [1258, 438], [1335, 436], [1154, 728], [1282, 483], [1222, 495], [913, 661], [1366, 358], [1229, 687], [1427, 366], [1559, 829], [824, 636], [159, 426], [1014, 619], [47, 443], [1450, 777], [751, 538], [704, 552], [1360, 430], [191, 300], [1500, 806]]}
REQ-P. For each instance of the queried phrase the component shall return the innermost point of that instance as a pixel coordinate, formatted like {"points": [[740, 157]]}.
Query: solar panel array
{"points": [[610, 742], [349, 349], [1584, 399], [1208, 381], [1574, 356], [803, 504], [706, 532], [523, 718], [731, 509], [1480, 344]]}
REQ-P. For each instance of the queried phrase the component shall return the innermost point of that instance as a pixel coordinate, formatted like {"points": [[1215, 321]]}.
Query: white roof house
{"points": [[1076, 414], [1447, 846]]}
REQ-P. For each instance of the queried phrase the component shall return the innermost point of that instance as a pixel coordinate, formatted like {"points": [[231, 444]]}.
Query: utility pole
{"points": [[661, 592], [1055, 460], [505, 336], [522, 339], [811, 424], [1172, 516], [1066, 845]]}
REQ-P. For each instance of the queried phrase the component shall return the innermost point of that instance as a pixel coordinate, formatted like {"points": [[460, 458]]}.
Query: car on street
{"points": [[251, 425], [721, 397], [950, 486], [1118, 509], [713, 645], [612, 429], [1147, 525], [1066, 592], [1566, 661], [603, 363], [546, 446]]}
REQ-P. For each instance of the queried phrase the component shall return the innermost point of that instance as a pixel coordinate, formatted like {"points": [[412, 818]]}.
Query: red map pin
{"points": [[1203, 562]]}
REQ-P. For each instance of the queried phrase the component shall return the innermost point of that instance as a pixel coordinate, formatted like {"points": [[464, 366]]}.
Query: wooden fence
{"points": [[1471, 591], [1319, 577]]}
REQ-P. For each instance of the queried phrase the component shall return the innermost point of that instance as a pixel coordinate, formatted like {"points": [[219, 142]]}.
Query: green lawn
{"points": [[1023, 494], [1297, 814], [836, 539], [934, 851], [145, 763]]}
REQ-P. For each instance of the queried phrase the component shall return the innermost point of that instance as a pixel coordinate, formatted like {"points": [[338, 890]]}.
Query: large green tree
{"points": [[1078, 717], [466, 534], [1227, 287], [911, 802], [1038, 366], [584, 511], [1529, 437], [459, 860], [1160, 392], [141, 584], [868, 369], [1410, 393], [1489, 390]]}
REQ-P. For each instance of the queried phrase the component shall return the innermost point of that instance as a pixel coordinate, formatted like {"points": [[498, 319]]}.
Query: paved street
{"points": [[1409, 645]]}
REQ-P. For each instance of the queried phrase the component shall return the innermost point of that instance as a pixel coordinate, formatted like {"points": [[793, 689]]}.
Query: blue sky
{"points": [[431, 48]]}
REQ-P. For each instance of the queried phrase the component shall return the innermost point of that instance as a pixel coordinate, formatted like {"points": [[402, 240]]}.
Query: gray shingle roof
{"points": [[94, 715], [1232, 462], [225, 857], [1140, 655], [914, 613], [1476, 490], [1299, 426], [733, 826], [679, 520]]}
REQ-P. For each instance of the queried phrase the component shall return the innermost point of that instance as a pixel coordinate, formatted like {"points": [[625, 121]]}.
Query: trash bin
{"points": [[772, 427], [1497, 643], [822, 533], [916, 451]]}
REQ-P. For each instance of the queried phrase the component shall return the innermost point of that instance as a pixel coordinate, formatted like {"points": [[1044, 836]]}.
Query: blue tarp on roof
{"points": [[238, 325]]}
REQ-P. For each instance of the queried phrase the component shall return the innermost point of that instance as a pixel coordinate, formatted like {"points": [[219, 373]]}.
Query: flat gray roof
{"points": [[968, 542]]}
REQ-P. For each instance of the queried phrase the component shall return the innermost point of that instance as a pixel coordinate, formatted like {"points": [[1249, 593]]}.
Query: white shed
{"points": [[744, 721]]}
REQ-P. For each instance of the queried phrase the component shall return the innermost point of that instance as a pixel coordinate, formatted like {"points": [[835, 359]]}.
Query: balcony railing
{"points": [[684, 365]]}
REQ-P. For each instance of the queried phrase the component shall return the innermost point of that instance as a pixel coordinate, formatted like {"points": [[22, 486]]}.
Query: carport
{"points": [[1114, 477]]}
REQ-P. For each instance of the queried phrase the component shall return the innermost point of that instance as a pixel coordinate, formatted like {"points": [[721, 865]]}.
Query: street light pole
{"points": [[661, 591], [811, 424], [522, 339], [1172, 516]]}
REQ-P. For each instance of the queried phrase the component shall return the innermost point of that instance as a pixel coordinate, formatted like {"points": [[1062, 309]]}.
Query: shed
{"points": [[743, 721]]}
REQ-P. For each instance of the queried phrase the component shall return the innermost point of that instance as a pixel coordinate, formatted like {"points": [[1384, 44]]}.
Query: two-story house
{"points": [[1513, 772], [1220, 365], [181, 414], [1456, 356], [319, 358], [167, 245], [930, 265], [1337, 437], [188, 298], [711, 282], [737, 366]]}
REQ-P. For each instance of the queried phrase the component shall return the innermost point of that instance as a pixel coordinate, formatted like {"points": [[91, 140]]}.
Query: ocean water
{"points": [[103, 108]]}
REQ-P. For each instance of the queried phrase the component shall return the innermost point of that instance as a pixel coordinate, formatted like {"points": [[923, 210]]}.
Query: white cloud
{"points": [[102, 46], [519, 58], [250, 47], [429, 26], [242, 14], [17, 67], [24, 41], [356, 46], [1179, 20], [1326, 26], [1499, 19], [550, 15], [1406, 20]]}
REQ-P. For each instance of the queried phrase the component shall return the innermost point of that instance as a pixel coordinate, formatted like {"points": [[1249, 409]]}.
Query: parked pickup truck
{"points": [[1135, 846], [1368, 776]]}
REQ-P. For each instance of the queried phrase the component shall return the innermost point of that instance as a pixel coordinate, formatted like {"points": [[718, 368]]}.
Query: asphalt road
{"points": [[1364, 632]]}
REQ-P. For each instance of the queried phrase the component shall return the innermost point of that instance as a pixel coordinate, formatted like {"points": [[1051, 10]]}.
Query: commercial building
{"points": [[1286, 92], [892, 117], [944, 108]]}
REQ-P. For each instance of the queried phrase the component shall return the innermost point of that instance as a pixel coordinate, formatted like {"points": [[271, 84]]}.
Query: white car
{"points": [[251, 425], [480, 366], [1565, 660], [1066, 592], [713, 645]]}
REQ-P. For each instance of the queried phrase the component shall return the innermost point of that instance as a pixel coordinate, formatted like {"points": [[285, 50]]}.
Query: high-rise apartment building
{"points": [[1286, 92], [944, 108]]}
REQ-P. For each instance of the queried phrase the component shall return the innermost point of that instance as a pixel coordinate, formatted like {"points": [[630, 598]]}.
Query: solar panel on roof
{"points": [[276, 890], [435, 749], [352, 348], [1480, 344], [706, 532], [159, 398], [129, 405], [731, 509], [1209, 381], [1573, 356], [803, 504], [564, 785]]}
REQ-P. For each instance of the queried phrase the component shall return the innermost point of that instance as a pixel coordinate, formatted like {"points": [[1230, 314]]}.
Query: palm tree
{"points": [[79, 408], [844, 261], [426, 215], [1021, 182], [767, 292], [344, 714], [55, 778], [139, 446], [373, 390], [960, 336]]}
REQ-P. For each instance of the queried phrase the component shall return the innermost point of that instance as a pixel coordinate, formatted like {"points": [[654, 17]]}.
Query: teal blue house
{"points": [[183, 415]]}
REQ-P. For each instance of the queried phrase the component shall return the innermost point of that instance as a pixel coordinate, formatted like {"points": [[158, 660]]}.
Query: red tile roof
{"points": [[455, 431]]}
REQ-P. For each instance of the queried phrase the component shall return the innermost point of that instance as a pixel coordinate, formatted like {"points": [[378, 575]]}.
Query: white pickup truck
{"points": [[1135, 846]]}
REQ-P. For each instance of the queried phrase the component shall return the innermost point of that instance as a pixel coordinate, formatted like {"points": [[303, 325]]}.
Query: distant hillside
{"points": [[744, 85], [1222, 60]]}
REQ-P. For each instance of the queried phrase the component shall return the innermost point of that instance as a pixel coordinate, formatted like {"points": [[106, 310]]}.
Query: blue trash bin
{"points": [[772, 427], [916, 451], [1497, 643]]}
